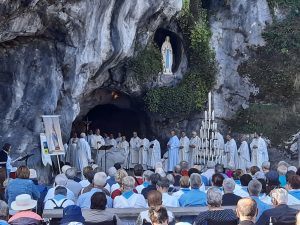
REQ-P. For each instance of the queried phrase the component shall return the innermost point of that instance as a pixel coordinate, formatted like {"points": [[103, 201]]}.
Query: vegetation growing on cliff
{"points": [[274, 69], [273, 120], [190, 94], [147, 64]]}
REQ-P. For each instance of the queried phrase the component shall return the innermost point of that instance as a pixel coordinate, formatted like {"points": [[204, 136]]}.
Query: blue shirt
{"points": [[237, 182], [261, 206], [282, 180], [84, 200], [295, 193], [20, 186], [111, 181], [204, 180], [194, 197]]}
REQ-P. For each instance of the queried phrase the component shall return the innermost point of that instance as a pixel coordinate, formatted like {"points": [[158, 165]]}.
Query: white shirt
{"points": [[50, 194], [208, 173], [169, 200], [134, 201], [178, 194], [139, 188], [84, 183], [61, 203], [240, 192], [114, 187]]}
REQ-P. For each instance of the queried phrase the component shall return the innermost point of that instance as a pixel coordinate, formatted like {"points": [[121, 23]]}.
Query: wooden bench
{"points": [[133, 213]]}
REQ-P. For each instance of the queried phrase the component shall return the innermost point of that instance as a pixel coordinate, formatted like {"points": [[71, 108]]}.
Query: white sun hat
{"points": [[64, 168], [23, 202]]}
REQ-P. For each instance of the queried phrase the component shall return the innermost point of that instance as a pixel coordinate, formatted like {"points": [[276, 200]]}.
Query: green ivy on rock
{"points": [[147, 64], [273, 120]]}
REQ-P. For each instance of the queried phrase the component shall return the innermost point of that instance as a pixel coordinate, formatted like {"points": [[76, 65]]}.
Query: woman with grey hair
{"points": [[129, 199], [215, 214]]}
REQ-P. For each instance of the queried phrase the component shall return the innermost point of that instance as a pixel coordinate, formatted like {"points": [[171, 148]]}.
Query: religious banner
{"points": [[53, 135], [46, 158]]}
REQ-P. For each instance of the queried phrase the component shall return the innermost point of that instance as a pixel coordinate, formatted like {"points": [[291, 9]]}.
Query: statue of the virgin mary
{"points": [[167, 53]]}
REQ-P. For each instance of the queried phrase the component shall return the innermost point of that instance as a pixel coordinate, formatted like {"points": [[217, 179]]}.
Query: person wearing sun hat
{"points": [[23, 205], [71, 214]]}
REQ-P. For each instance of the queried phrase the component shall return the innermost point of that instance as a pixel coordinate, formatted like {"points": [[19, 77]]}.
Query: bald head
{"points": [[246, 209]]}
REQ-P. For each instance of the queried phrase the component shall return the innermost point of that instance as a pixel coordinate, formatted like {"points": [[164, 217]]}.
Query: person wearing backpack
{"points": [[60, 200]]}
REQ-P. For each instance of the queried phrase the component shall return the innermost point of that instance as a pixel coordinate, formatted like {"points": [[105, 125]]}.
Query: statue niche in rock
{"points": [[167, 56]]}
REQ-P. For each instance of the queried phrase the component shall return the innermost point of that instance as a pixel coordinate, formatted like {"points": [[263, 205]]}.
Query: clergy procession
{"points": [[86, 150]]}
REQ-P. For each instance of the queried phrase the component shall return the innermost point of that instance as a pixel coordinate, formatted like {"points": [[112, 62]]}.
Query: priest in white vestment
{"points": [[112, 141], [173, 151], [135, 144], [71, 151], [124, 146], [184, 147], [265, 155], [97, 141], [143, 153], [231, 153], [89, 137], [195, 143], [244, 156], [258, 148], [154, 155], [220, 145], [119, 138], [83, 151]]}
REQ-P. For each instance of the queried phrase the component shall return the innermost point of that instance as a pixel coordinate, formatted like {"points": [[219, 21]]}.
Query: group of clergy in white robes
{"points": [[78, 153], [144, 152], [190, 149], [239, 158], [86, 149], [230, 156]]}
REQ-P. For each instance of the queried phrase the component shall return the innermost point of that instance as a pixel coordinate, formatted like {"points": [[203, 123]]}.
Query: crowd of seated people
{"points": [[258, 196]]}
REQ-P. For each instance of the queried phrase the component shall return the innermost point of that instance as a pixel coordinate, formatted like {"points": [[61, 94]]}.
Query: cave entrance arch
{"points": [[115, 112], [112, 119]]}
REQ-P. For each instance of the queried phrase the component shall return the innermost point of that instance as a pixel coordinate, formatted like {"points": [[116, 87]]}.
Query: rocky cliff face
{"points": [[55, 53], [57, 56], [236, 28]]}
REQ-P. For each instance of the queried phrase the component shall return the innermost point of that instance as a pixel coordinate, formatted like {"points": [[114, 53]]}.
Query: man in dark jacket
{"points": [[282, 213], [229, 198]]}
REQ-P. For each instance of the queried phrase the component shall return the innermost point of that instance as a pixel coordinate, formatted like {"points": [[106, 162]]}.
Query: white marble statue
{"points": [[167, 54]]}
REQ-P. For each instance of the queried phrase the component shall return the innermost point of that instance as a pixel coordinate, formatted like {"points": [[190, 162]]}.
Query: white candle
{"points": [[205, 116], [213, 115], [209, 104]]}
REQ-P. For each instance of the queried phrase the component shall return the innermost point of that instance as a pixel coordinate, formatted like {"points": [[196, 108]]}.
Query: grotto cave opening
{"points": [[115, 112]]}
